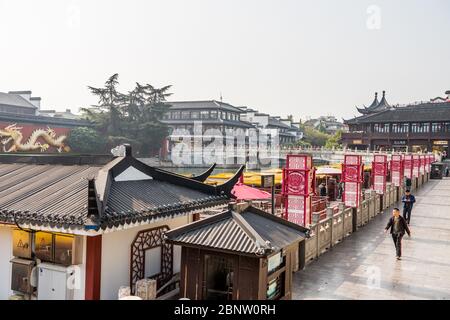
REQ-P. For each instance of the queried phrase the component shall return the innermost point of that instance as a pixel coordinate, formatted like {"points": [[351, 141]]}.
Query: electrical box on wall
{"points": [[54, 282], [21, 275], [22, 244]]}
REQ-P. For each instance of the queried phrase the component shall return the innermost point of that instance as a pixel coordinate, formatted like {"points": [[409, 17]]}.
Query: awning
{"points": [[242, 192]]}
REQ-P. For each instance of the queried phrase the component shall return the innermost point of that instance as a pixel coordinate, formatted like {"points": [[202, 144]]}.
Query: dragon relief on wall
{"points": [[39, 140]]}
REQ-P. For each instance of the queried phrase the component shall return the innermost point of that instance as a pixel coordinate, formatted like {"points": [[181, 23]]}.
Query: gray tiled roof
{"points": [[252, 232], [42, 191], [14, 100], [420, 113], [203, 104]]}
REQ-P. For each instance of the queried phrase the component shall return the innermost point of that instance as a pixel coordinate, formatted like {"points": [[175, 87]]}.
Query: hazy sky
{"points": [[305, 58]]}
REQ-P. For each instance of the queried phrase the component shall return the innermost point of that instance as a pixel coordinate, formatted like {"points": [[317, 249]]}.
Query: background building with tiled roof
{"points": [[421, 126]]}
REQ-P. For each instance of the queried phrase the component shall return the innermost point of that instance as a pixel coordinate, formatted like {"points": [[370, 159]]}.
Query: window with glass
{"points": [[437, 127], [175, 115], [419, 127], [185, 115], [400, 127], [213, 114], [381, 127], [195, 115], [204, 114], [447, 127], [222, 115]]}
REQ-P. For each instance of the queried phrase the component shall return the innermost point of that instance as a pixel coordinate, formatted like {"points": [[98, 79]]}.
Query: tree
{"points": [[86, 140], [313, 137], [335, 140], [133, 117]]}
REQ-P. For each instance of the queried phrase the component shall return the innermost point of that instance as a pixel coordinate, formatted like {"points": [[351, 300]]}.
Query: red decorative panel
{"points": [[416, 166], [298, 184], [423, 164], [408, 166], [397, 170], [379, 173], [352, 176], [26, 137]]}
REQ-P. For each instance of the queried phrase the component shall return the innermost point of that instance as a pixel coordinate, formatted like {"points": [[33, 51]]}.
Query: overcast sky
{"points": [[305, 58]]}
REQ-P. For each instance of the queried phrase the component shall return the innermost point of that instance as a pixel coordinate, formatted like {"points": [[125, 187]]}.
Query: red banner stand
{"points": [[353, 177], [408, 166], [397, 170], [416, 165], [379, 173], [298, 185], [423, 164]]}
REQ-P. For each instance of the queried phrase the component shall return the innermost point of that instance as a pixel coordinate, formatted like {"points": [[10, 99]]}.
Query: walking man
{"points": [[408, 201], [397, 226]]}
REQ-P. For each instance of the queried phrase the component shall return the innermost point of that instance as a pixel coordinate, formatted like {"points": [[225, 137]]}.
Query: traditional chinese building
{"points": [[241, 254], [98, 218], [422, 126]]}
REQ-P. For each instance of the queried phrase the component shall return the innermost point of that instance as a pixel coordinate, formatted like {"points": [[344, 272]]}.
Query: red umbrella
{"points": [[242, 192]]}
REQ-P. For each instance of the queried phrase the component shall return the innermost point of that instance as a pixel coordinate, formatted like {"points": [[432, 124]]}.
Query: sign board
{"points": [[408, 166], [298, 181], [352, 176], [423, 164], [415, 165], [440, 143], [397, 170], [379, 173], [267, 180]]}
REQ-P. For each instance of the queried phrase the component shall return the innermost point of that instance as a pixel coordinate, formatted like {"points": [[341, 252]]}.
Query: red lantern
{"points": [[397, 170], [379, 173], [352, 176], [298, 184]]}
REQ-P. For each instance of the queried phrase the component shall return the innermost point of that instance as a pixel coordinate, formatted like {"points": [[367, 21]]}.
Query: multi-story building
{"points": [[420, 126], [288, 131]]}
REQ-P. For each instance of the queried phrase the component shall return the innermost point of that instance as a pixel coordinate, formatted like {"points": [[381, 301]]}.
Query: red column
{"points": [[93, 267]]}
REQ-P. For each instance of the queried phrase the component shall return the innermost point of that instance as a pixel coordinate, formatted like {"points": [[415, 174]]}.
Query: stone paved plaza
{"points": [[364, 266]]}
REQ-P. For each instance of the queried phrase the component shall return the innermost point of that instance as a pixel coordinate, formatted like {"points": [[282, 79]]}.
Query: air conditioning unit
{"points": [[54, 282]]}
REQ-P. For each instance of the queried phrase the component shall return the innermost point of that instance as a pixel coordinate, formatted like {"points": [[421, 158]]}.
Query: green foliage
{"points": [[86, 140], [313, 137], [132, 117], [334, 141]]}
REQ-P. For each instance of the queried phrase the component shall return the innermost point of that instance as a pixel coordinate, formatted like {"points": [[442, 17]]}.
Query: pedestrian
{"points": [[408, 201], [408, 182], [447, 171], [323, 190], [397, 226]]}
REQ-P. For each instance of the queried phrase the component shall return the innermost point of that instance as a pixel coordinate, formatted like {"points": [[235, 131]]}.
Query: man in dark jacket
{"points": [[408, 201], [397, 226]]}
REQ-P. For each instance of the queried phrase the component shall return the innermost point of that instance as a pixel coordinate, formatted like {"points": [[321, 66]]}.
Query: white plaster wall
{"points": [[5, 265], [116, 250], [78, 293]]}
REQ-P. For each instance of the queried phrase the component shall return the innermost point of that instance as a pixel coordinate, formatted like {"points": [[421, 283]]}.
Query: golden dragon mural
{"points": [[12, 140]]}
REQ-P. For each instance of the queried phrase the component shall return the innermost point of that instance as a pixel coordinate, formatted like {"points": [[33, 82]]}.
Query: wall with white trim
{"points": [[5, 265], [116, 251]]}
